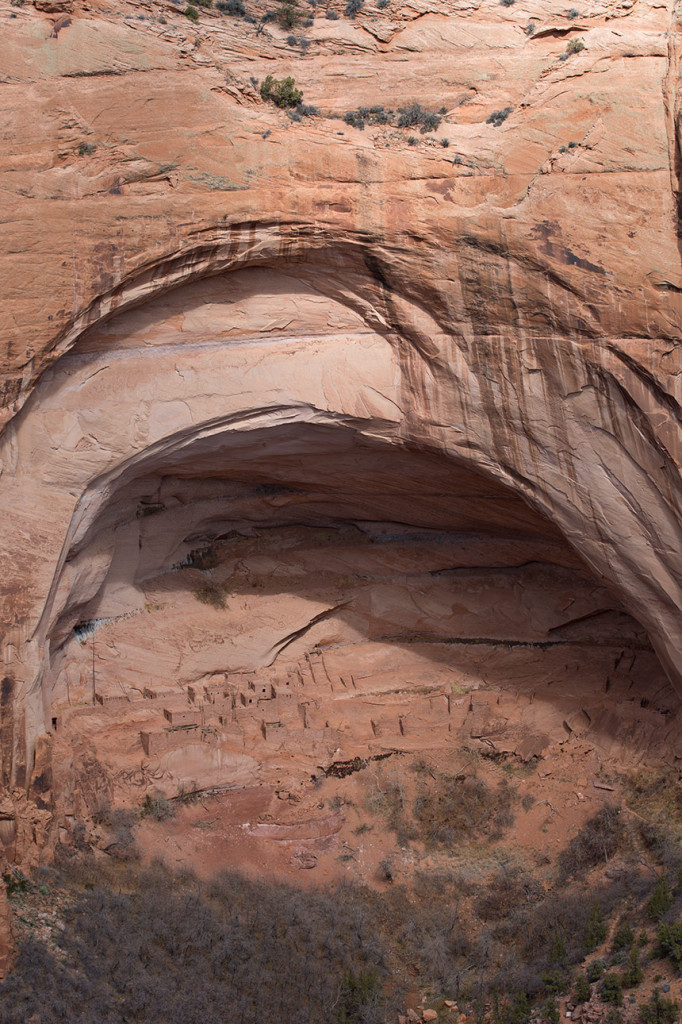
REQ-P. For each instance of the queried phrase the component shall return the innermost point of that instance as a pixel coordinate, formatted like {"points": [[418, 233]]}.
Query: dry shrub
{"points": [[388, 798], [657, 797], [151, 947], [461, 808], [157, 807], [212, 594], [118, 824], [507, 892], [598, 840], [148, 946]]}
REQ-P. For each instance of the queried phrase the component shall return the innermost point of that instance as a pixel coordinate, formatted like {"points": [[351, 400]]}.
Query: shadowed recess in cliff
{"points": [[252, 547], [346, 396]]}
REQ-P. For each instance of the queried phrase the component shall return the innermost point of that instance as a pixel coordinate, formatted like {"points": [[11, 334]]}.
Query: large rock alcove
{"points": [[270, 478]]}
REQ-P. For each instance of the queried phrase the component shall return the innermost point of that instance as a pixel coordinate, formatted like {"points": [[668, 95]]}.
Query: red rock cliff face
{"points": [[480, 337]]}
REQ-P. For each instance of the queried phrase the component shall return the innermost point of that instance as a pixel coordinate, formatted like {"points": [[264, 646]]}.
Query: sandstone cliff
{"points": [[222, 322]]}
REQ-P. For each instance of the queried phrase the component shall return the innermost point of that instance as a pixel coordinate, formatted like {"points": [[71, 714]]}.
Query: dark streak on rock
{"points": [[60, 24], [650, 382]]}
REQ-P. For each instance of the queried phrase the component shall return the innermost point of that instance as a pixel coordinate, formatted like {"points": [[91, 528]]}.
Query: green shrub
{"points": [[498, 116], [368, 115], [633, 973], [359, 992], [670, 943], [659, 1010], [87, 148], [511, 1011], [595, 970], [575, 46], [623, 938], [558, 978], [595, 933], [582, 990], [16, 882], [661, 899], [191, 13], [556, 981], [353, 7], [559, 954], [417, 116], [549, 1013], [352, 118], [233, 7], [611, 989], [287, 16], [282, 93]]}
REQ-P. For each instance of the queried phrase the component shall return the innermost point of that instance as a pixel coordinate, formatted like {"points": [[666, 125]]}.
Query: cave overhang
{"points": [[179, 376]]}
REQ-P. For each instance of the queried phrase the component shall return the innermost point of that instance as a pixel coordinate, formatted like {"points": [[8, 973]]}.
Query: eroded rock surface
{"points": [[375, 419]]}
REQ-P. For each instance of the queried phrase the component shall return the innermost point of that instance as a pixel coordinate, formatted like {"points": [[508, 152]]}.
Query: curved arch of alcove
{"points": [[553, 424], [405, 569]]}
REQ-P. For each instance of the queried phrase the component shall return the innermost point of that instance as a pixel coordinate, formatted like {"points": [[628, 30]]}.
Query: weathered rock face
{"points": [[273, 386]]}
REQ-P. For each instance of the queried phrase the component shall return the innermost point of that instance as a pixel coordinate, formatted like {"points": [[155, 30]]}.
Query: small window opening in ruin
{"points": [[54, 724]]}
